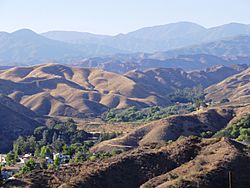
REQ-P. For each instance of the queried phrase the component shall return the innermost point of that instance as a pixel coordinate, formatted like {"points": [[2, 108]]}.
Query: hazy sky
{"points": [[117, 16]]}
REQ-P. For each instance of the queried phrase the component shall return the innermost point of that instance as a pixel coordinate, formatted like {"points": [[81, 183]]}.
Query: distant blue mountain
{"points": [[228, 47], [27, 47], [156, 38]]}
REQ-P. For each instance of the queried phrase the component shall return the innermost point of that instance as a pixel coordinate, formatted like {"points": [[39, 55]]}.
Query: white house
{"points": [[3, 159], [49, 160], [23, 159], [63, 158]]}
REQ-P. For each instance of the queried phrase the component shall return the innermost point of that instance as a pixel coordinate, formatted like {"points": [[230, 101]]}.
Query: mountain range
{"points": [[124, 63], [229, 47], [25, 47], [121, 76], [156, 38]]}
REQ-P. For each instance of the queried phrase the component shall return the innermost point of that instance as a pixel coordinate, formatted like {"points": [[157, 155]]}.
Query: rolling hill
{"points": [[234, 88], [16, 120], [124, 63], [58, 90], [170, 129], [186, 163]]}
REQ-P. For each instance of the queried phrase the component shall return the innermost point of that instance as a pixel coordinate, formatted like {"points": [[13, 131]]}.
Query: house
{"points": [[49, 160], [26, 157], [2, 159], [63, 158], [21, 160]]}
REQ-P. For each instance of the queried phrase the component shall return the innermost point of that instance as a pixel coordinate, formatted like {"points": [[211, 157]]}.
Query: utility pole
{"points": [[230, 179]]}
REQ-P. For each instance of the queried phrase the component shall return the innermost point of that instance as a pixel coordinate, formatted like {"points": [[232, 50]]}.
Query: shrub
{"points": [[28, 166], [115, 151], [11, 158], [57, 162], [224, 101], [207, 134], [92, 158], [239, 130]]}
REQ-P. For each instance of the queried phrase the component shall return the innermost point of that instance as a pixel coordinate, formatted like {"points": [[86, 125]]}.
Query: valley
{"points": [[158, 111], [142, 104]]}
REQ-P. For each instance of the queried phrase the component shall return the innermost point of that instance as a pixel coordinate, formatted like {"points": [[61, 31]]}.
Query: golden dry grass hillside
{"points": [[234, 88], [188, 162], [170, 129], [58, 90]]}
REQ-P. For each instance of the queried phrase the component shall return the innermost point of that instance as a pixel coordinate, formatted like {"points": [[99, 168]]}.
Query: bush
{"points": [[45, 152], [239, 130], [207, 134], [224, 101], [115, 151], [11, 158], [28, 166], [57, 162], [92, 158], [50, 166]]}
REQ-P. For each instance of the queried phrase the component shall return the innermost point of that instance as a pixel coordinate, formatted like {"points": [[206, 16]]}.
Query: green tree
{"points": [[46, 136], [79, 157], [54, 138], [92, 158], [207, 134], [58, 145], [37, 152], [115, 152], [57, 161], [50, 166], [240, 130], [66, 150], [28, 166], [24, 145], [11, 158], [38, 132], [45, 151]]}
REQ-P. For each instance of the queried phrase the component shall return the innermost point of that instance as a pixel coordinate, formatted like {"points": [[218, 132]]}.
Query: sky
{"points": [[117, 16]]}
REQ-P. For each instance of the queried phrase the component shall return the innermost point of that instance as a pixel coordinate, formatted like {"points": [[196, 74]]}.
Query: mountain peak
{"points": [[235, 24], [185, 23], [24, 32]]}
